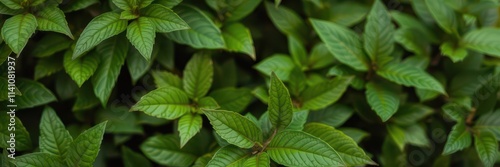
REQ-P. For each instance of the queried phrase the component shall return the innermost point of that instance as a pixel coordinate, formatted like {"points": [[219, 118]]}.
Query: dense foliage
{"points": [[249, 83]]}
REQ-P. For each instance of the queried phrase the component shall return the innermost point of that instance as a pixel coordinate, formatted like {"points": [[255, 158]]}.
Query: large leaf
{"points": [[234, 128], [239, 39], [259, 160], [483, 40], [282, 65], [141, 33], [189, 125], [165, 19], [411, 76], [443, 14], [229, 156], [84, 149], [458, 139], [324, 94], [203, 32], [81, 68], [33, 94], [54, 138], [53, 19], [343, 43], [489, 122], [280, 104], [38, 160], [233, 99], [165, 150], [17, 30], [345, 146], [379, 34], [383, 98], [13, 4], [287, 21], [296, 148], [198, 76], [113, 52], [164, 102], [99, 29], [486, 147]]}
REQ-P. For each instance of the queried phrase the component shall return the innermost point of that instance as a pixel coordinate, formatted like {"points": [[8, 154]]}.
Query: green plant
{"points": [[249, 83]]}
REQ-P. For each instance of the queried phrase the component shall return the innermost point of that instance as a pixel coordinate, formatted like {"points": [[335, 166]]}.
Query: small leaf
{"points": [[129, 15], [208, 103], [409, 114], [33, 94], [282, 65], [229, 156], [483, 40], [53, 19], [189, 125], [38, 160], [324, 94], [383, 98], [345, 146], [99, 29], [334, 115], [165, 19], [164, 102], [411, 39], [17, 30], [297, 51], [232, 99], [296, 148], [48, 66], [54, 138], [379, 40], [455, 54], [203, 32], [416, 135], [411, 76], [234, 128], [458, 139], [489, 122], [125, 4], [238, 39], [82, 68], [198, 76], [280, 104], [259, 160], [51, 44], [343, 43], [165, 150], [133, 159], [141, 34], [444, 15], [486, 147], [84, 149], [397, 135], [407, 21], [164, 78], [137, 65], [287, 21]]}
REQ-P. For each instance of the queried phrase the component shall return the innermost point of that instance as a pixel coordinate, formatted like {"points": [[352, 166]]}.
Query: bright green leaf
{"points": [[234, 128], [259, 160], [410, 76], [282, 65], [38, 160], [141, 33], [82, 68], [486, 147], [54, 138], [383, 98], [84, 149], [458, 139], [17, 30], [164, 102], [483, 40], [238, 39], [379, 34], [280, 104], [444, 15], [232, 99], [287, 21], [165, 19], [165, 150], [324, 94], [53, 19], [454, 53], [397, 135], [229, 156], [164, 78], [198, 76], [33, 94], [189, 125]]}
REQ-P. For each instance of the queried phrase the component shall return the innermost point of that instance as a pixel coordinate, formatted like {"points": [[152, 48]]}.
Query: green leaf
{"points": [[489, 122], [454, 53], [137, 65], [5, 52], [5, 10], [54, 138], [379, 39], [78, 5], [168, 3], [203, 32], [48, 66], [82, 68], [486, 147], [165, 150], [320, 57], [296, 148], [167, 50], [483, 40], [409, 114], [164, 102], [129, 15], [141, 33], [229, 156], [383, 98], [297, 81], [22, 137], [233, 99], [334, 115], [198, 76], [411, 39], [38, 160], [133, 159], [458, 139], [343, 43], [356, 134], [297, 51], [99, 29], [444, 15], [85, 98], [17, 30], [397, 135], [261, 94], [411, 76], [407, 21], [113, 52], [234, 128], [165, 78], [280, 64], [392, 156], [324, 94], [233, 10], [416, 135], [345, 146], [165, 19], [287, 21], [33, 94], [208, 103], [53, 19], [126, 4], [84, 149], [280, 104], [238, 39], [259, 160], [189, 125], [51, 44]]}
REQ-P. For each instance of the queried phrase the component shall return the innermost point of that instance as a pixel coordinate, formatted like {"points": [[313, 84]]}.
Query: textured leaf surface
{"points": [[483, 40], [23, 140], [233, 99], [81, 68], [234, 128], [238, 39], [53, 19], [379, 39], [84, 149], [259, 160], [203, 32], [486, 147], [325, 93], [229, 156], [280, 104], [282, 65], [489, 122], [38, 160], [383, 98], [343, 43], [443, 14], [165, 19], [287, 21], [141, 33], [99, 29], [411, 76], [164, 102], [345, 146], [33, 94], [198, 76], [54, 138], [189, 125], [296, 148], [165, 78], [17, 30], [458, 139], [165, 150]]}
